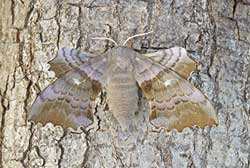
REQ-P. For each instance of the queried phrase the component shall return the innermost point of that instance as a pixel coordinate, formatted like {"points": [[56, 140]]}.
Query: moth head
{"points": [[121, 57]]}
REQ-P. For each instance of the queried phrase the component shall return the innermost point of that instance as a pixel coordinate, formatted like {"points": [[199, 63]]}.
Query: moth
{"points": [[161, 76]]}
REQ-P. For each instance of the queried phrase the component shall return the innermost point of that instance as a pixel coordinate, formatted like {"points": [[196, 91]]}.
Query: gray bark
{"points": [[216, 33]]}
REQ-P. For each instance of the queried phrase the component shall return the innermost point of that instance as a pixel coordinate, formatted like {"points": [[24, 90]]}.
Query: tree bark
{"points": [[215, 33]]}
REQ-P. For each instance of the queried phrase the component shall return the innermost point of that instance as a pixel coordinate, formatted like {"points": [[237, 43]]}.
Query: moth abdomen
{"points": [[122, 98]]}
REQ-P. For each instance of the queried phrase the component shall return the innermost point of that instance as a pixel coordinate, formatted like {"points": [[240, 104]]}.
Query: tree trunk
{"points": [[216, 33]]}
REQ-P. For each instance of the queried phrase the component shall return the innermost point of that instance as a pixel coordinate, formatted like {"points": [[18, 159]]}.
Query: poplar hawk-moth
{"points": [[161, 76]]}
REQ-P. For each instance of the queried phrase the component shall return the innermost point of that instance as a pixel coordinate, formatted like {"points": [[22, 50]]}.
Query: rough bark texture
{"points": [[215, 32]]}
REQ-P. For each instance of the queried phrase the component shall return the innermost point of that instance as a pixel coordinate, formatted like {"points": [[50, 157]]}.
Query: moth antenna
{"points": [[137, 35], [105, 38]]}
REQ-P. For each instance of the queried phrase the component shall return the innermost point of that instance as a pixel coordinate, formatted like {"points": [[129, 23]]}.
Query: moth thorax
{"points": [[124, 65]]}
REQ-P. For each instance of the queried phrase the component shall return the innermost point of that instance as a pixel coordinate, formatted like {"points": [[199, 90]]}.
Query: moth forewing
{"points": [[69, 100], [174, 102]]}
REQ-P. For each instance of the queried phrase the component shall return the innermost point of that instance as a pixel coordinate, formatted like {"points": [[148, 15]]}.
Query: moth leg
{"points": [[176, 59]]}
